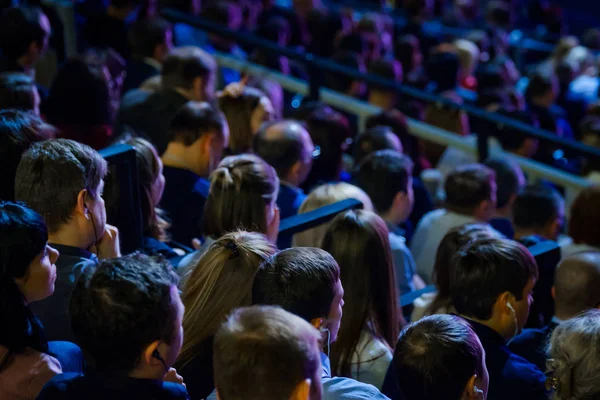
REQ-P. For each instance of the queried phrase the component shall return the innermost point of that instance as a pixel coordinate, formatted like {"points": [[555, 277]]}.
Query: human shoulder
{"points": [[339, 388]]}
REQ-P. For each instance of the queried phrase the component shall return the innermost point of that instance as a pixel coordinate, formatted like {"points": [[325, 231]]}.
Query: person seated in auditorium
{"points": [[126, 315], [198, 136], [538, 214], [18, 131], [24, 38], [386, 177], [491, 284], [512, 140], [27, 359], [440, 302], [63, 181], [574, 292], [150, 41], [188, 73], [306, 282], [438, 357], [228, 266], [268, 353], [470, 197], [375, 139], [383, 96], [509, 180], [18, 92], [443, 70], [358, 241], [573, 351], [322, 196], [288, 148], [584, 223], [108, 28]]}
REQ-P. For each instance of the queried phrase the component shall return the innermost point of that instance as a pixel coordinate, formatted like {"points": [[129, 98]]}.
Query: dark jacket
{"points": [[138, 71], [289, 201], [198, 373], [531, 344]]}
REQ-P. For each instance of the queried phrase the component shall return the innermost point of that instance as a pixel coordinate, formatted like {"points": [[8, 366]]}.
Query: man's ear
{"points": [[471, 391], [302, 390], [81, 207], [503, 300], [147, 357], [198, 88], [553, 292], [317, 322]]}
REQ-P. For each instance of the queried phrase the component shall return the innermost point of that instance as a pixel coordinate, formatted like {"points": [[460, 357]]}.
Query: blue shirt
{"points": [[531, 344], [404, 263]]}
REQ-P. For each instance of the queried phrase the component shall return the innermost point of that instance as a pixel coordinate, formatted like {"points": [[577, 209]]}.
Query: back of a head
{"points": [[468, 186], [404, 50], [584, 221], [436, 357], [52, 173], [280, 144], [511, 138], [194, 120], [146, 35], [18, 91], [486, 268], [228, 266], [575, 283], [382, 175], [536, 206], [18, 131], [386, 69], [509, 180], [268, 346], [300, 280], [374, 139], [539, 85], [183, 65], [573, 353], [442, 69], [19, 26], [396, 121], [238, 111], [341, 82], [240, 190], [121, 307]]}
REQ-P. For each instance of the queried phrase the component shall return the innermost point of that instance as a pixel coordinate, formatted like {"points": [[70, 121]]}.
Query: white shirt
{"points": [[371, 360]]}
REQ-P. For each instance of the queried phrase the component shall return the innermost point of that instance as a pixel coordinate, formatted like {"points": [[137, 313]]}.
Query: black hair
{"points": [[23, 236], [539, 85], [490, 77], [17, 91], [122, 306], [146, 35], [536, 206], [281, 152], [193, 120], [404, 50], [374, 139], [511, 138], [486, 268], [382, 175], [442, 69], [301, 280], [385, 69], [467, 186], [507, 179], [19, 27], [352, 43], [338, 81]]}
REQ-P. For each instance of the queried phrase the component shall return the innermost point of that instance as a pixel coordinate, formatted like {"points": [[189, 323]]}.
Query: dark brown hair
{"points": [[238, 112], [467, 186], [584, 224]]}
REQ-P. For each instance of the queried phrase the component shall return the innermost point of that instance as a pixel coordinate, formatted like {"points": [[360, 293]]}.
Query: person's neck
{"points": [[179, 156], [490, 323], [145, 373], [117, 13], [381, 100], [542, 103], [291, 181], [391, 218], [26, 63], [504, 212], [69, 236], [524, 232]]}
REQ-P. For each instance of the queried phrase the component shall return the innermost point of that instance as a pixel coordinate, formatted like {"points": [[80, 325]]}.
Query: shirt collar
{"points": [[153, 63], [556, 320], [290, 186], [326, 366], [65, 250]]}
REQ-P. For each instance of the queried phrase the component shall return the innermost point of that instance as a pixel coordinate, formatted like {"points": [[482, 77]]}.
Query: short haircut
{"points": [[511, 138], [576, 283], [382, 175], [52, 173], [385, 69], [338, 81], [436, 357], [18, 131], [442, 69], [302, 280], [467, 186], [122, 306], [265, 345], [508, 181], [396, 121], [146, 35], [539, 85], [17, 91], [486, 268], [282, 151], [584, 223], [536, 206], [185, 64], [194, 120], [374, 139], [19, 26]]}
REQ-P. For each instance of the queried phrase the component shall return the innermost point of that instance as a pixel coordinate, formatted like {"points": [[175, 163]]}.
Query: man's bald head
{"points": [[576, 284], [288, 147]]}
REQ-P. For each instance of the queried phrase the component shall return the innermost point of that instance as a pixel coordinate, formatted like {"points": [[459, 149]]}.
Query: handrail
{"points": [[317, 65]]}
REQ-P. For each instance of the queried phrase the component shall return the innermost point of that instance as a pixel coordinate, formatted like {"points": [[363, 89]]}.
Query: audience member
{"points": [[375, 139], [512, 140], [396, 121], [440, 302], [271, 347], [228, 266], [18, 92], [509, 180], [541, 95], [27, 275], [538, 214], [108, 28], [150, 41], [187, 74], [245, 109], [574, 358], [358, 240], [439, 357], [18, 131], [575, 283], [198, 136], [491, 285], [386, 177], [584, 223], [381, 96], [126, 314], [63, 181], [306, 282], [343, 84], [470, 197], [322, 196], [408, 52]]}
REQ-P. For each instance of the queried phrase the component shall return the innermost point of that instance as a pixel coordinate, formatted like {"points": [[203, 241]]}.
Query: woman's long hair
{"points": [[23, 235], [238, 112], [220, 282], [359, 242]]}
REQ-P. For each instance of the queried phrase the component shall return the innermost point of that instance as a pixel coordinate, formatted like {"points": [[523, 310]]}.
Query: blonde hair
{"points": [[322, 196], [468, 56], [220, 282]]}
